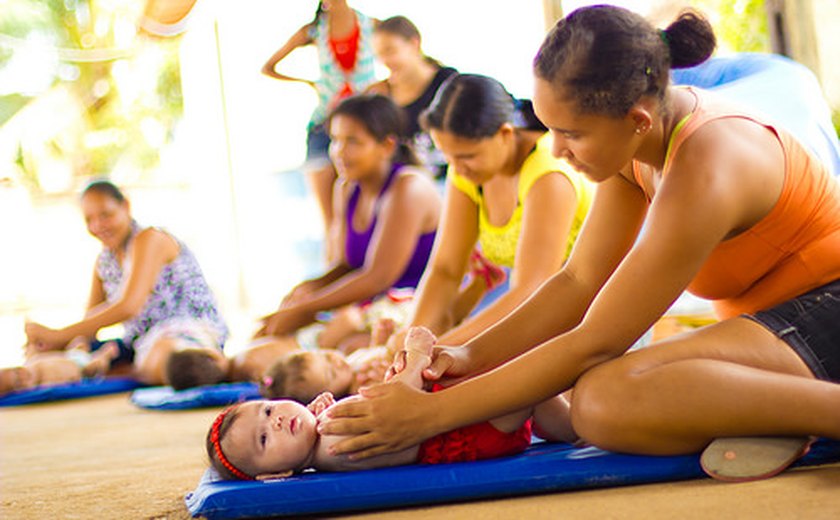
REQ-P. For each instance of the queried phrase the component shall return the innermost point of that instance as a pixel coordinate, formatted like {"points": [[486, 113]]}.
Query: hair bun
{"points": [[690, 40]]}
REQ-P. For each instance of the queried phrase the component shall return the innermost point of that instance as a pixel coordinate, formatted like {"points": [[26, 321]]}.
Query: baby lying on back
{"points": [[273, 439]]}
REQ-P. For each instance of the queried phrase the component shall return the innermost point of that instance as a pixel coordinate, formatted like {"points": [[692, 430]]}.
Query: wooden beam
{"points": [[552, 11], [793, 31]]}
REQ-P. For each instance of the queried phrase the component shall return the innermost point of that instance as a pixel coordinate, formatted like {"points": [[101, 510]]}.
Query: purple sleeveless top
{"points": [[356, 244]]}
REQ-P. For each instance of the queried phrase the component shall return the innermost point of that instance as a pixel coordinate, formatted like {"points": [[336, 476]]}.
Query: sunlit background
{"points": [[203, 144]]}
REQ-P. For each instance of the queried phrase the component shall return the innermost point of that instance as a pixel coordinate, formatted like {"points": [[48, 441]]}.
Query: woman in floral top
{"points": [[150, 282]]}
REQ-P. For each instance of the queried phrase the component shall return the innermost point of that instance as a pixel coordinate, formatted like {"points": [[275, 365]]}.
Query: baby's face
{"points": [[327, 371], [271, 437]]}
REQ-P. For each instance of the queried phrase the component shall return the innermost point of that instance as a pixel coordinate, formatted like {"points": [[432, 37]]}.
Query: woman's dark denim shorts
{"points": [[810, 324], [317, 143]]}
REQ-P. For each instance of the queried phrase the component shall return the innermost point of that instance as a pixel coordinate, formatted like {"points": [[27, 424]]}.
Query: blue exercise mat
{"points": [[777, 87], [84, 388], [165, 398], [544, 467]]}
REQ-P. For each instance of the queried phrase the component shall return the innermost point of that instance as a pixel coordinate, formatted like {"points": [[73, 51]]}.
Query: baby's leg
{"points": [[381, 331], [553, 422], [418, 356], [345, 322], [100, 360], [251, 364], [354, 342]]}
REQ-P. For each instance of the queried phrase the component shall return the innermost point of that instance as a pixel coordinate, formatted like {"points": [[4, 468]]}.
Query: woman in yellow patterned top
{"points": [[505, 191]]}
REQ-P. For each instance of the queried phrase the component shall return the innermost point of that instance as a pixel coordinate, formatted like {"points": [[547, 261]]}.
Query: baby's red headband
{"points": [[217, 446]]}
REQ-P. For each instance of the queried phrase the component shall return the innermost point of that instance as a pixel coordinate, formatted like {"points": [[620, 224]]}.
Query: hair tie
{"points": [[268, 381], [217, 446], [663, 35]]}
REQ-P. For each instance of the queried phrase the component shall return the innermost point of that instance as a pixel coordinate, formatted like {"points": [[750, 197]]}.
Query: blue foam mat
{"points": [[165, 398], [84, 388], [544, 467]]}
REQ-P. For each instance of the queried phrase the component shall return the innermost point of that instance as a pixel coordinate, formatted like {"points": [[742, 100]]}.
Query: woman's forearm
{"points": [[544, 372], [556, 307], [487, 317], [330, 276], [101, 316], [357, 286], [434, 301]]}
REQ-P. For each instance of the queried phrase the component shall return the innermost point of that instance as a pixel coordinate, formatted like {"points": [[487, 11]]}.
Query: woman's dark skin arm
{"points": [[725, 180], [611, 226], [405, 215]]}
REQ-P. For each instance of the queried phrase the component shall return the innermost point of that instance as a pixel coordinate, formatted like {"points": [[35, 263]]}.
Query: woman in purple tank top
{"points": [[387, 213]]}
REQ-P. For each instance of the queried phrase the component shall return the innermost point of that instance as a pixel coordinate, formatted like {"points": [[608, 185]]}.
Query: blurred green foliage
{"points": [[740, 25], [87, 42]]}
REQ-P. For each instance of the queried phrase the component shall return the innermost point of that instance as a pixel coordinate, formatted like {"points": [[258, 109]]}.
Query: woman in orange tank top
{"points": [[691, 194]]}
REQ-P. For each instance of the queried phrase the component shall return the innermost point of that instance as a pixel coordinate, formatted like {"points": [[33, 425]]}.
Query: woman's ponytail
{"points": [[690, 40]]}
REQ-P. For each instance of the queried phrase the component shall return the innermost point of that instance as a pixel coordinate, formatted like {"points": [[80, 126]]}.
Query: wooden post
{"points": [[552, 11], [793, 31]]}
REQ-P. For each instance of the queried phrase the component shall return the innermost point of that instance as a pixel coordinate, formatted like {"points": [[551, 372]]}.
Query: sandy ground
{"points": [[105, 458]]}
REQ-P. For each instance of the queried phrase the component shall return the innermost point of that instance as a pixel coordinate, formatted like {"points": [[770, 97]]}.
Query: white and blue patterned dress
{"points": [[180, 295]]}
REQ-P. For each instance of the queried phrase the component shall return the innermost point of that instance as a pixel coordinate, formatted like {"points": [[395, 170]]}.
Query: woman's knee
{"points": [[602, 401]]}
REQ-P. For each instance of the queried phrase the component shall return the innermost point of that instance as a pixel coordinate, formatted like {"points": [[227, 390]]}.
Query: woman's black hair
{"points": [[106, 188], [318, 13], [525, 118], [404, 28], [605, 58], [469, 105], [382, 118]]}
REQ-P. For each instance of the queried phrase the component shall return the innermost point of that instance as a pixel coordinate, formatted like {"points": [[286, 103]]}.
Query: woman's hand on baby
{"points": [[41, 339], [383, 418], [282, 322], [321, 403], [299, 293], [449, 365]]}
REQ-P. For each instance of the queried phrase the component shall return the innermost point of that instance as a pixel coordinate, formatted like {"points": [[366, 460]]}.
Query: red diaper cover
{"points": [[474, 442]]}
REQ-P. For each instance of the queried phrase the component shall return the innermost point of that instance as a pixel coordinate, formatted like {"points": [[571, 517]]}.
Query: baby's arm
{"points": [[325, 461], [418, 347], [323, 401]]}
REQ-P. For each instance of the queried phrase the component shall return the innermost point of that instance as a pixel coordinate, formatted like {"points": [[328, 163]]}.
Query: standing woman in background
{"points": [[414, 80], [343, 38]]}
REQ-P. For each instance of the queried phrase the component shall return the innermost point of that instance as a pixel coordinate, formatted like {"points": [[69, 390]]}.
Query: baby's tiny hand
{"points": [[321, 403]]}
